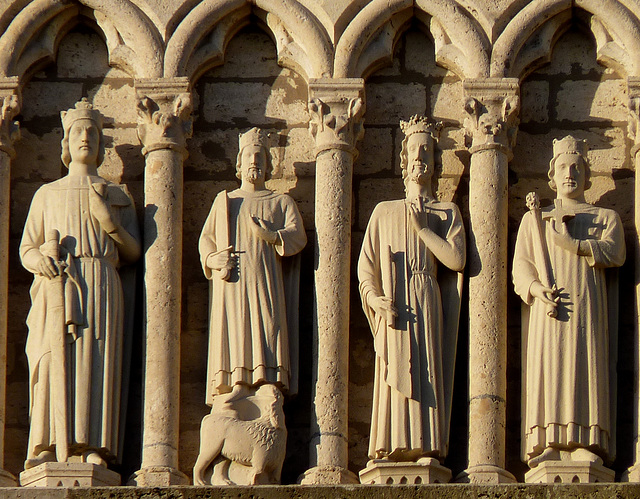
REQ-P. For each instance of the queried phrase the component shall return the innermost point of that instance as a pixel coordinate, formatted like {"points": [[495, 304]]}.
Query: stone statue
{"points": [[79, 231], [410, 282], [569, 323], [253, 328]]}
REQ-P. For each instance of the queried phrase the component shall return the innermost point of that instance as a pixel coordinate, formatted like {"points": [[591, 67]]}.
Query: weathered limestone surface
{"points": [[250, 64]]}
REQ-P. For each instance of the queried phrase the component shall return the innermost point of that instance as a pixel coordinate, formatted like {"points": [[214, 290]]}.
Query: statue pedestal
{"points": [[69, 475], [569, 472], [425, 470]]}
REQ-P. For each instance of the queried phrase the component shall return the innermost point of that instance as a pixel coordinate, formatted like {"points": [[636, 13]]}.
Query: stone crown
{"points": [[253, 137], [83, 111], [570, 145], [420, 124]]}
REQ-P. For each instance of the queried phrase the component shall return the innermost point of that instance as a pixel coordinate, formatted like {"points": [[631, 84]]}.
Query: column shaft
{"points": [[492, 106], [164, 108], [336, 108]]}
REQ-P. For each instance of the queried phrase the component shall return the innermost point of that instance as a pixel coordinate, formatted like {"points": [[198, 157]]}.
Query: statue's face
{"points": [[569, 176], [419, 158], [84, 141], [253, 163]]}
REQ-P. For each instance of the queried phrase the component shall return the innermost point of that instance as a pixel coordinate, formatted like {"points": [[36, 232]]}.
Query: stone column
{"points": [[492, 105], [633, 91], [336, 107], [9, 132], [164, 124]]}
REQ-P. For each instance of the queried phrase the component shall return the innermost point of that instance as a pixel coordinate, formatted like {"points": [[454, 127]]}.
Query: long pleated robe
{"points": [[94, 314], [415, 358], [569, 361], [253, 322]]}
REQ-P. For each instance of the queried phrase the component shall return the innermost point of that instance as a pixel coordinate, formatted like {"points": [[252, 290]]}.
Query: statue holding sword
{"points": [[79, 231]]}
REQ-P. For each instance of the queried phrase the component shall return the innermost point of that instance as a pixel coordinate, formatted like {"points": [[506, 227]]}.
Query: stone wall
{"points": [[255, 86]]}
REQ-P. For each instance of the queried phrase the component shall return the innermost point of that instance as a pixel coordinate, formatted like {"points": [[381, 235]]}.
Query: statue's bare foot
{"points": [[549, 454], [582, 454], [94, 458], [46, 456]]}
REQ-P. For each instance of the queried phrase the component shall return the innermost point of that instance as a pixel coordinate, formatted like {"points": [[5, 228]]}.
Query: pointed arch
{"points": [[34, 34], [200, 40], [367, 42], [528, 39]]}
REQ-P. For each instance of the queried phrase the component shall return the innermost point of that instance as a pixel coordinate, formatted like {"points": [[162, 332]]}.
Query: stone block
{"points": [[360, 397], [592, 101], [198, 198], [212, 152], [419, 55], [197, 313], [38, 156], [534, 101], [302, 190], [388, 103], [288, 99], [518, 193], [446, 101], [17, 408], [116, 100], [426, 470], [70, 474], [123, 159], [296, 158], [46, 98], [250, 54], [574, 52], [21, 196], [373, 191], [569, 472], [376, 152], [82, 55]]}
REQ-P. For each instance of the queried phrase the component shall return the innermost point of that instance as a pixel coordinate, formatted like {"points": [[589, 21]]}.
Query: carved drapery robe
{"points": [[415, 359], [569, 361], [94, 315], [253, 322]]}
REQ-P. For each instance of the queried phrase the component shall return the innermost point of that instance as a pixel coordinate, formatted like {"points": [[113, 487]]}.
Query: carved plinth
{"points": [[69, 475], [569, 472], [427, 470]]}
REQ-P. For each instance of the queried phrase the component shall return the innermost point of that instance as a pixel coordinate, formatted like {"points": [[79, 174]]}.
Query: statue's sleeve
{"points": [[610, 249], [369, 273], [207, 244], [455, 234], [525, 271], [127, 213], [33, 235], [292, 235]]}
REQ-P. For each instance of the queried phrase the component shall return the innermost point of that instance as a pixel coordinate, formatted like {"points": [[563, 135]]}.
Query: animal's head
{"points": [[272, 403]]}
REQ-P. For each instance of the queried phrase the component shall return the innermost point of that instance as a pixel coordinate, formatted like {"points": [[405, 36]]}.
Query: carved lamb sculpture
{"points": [[243, 430]]}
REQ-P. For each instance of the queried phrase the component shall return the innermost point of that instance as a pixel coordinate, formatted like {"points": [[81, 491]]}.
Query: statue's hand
{"points": [[383, 305], [100, 209], [563, 239], [261, 230], [222, 261], [48, 267], [415, 215], [547, 295]]}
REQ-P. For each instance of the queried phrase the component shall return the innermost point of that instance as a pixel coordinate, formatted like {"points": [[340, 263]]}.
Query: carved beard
{"points": [[252, 176], [420, 177]]}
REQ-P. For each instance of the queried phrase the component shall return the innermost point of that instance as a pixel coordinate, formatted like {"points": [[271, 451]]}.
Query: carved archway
{"points": [[32, 37], [368, 41], [527, 41], [200, 40]]}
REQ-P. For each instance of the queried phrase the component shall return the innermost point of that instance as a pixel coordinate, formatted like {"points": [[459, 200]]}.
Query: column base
{"points": [[327, 475], [632, 474], [7, 479], [69, 475], [485, 475], [385, 472], [158, 476], [569, 472]]}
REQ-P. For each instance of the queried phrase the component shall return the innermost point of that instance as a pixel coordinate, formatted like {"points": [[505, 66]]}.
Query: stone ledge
{"points": [[437, 491]]}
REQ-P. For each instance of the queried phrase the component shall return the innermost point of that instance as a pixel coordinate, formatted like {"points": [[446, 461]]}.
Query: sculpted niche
{"points": [[410, 282], [79, 231], [569, 322], [247, 249]]}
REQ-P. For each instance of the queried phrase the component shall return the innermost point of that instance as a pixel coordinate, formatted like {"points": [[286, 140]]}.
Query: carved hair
{"points": [[83, 110], [570, 145], [418, 124], [254, 137]]}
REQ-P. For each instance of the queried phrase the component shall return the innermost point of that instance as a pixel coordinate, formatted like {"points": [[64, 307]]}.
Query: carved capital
{"points": [[492, 105], [9, 108], [336, 107], [164, 114], [633, 129]]}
